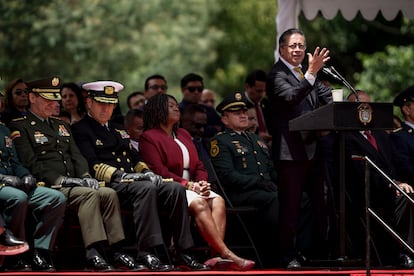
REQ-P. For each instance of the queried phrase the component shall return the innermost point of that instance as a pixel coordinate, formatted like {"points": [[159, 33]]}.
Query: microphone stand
{"points": [[345, 82]]}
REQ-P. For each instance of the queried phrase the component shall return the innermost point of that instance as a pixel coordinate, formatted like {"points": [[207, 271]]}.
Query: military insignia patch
{"points": [[8, 142], [15, 134], [123, 133], [214, 149], [63, 131], [40, 138]]}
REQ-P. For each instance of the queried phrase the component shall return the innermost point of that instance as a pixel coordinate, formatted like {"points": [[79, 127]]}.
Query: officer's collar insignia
{"points": [[63, 131], [98, 142], [123, 133]]}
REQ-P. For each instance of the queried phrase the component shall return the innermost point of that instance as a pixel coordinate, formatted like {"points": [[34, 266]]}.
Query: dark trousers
{"points": [[295, 178], [151, 204]]}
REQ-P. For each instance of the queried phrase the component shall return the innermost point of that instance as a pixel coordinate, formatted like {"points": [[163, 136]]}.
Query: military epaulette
{"points": [[19, 119], [397, 129], [56, 118]]}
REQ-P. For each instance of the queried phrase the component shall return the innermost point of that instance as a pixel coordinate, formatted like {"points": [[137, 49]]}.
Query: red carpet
{"points": [[359, 272]]}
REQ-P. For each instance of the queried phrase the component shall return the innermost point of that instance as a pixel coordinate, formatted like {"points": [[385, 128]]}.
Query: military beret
{"points": [[103, 91], [232, 102], [405, 96], [48, 88]]}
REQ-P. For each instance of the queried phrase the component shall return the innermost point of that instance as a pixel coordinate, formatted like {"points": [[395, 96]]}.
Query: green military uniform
{"points": [[46, 147], [243, 166], [40, 210], [50, 153]]}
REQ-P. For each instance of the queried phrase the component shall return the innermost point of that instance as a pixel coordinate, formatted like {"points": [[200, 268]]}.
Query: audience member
{"points": [[208, 97], [9, 244], [252, 119], [154, 85], [162, 139], [194, 120], [255, 93], [384, 200], [111, 158], [46, 147], [292, 93], [72, 101], [16, 102], [191, 87], [243, 165], [134, 125], [136, 100], [32, 213]]}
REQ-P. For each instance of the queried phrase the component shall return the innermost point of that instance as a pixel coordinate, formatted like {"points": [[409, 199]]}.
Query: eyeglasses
{"points": [[19, 91], [296, 45], [158, 87], [192, 89]]}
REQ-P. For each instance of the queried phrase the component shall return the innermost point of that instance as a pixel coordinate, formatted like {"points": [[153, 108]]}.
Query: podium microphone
{"points": [[328, 71], [331, 71]]}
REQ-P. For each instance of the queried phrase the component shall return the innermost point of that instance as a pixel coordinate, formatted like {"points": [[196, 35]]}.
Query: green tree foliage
{"points": [[386, 73]]}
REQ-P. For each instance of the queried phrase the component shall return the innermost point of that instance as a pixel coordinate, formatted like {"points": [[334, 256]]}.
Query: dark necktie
{"points": [[260, 120], [371, 139]]}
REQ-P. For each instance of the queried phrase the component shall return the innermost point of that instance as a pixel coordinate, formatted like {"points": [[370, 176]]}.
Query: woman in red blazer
{"points": [[170, 152]]}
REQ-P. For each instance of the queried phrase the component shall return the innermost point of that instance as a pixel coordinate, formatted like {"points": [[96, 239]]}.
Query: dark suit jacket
{"points": [[164, 156], [356, 144], [290, 98], [403, 149]]}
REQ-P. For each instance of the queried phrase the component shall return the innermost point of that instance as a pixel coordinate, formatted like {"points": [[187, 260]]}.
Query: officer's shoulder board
{"points": [[19, 119], [397, 129]]}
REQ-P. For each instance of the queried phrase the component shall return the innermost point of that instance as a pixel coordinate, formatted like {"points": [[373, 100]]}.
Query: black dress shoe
{"points": [[126, 262], [187, 262], [42, 263], [97, 263], [16, 264], [293, 264], [153, 263], [406, 261]]}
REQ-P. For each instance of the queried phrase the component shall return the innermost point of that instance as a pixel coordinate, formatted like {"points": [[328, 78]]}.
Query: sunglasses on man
{"points": [[192, 89]]}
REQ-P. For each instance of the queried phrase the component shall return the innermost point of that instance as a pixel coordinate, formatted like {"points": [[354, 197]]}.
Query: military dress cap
{"points": [[103, 91], [232, 102], [48, 88], [405, 96]]}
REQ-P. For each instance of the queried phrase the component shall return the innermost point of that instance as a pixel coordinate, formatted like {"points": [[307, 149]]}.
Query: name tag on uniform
{"points": [[40, 138]]}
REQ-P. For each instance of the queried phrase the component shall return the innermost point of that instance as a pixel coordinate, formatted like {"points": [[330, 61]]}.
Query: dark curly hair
{"points": [[156, 111]]}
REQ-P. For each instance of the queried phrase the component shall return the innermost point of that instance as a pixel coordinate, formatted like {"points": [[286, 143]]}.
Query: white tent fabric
{"points": [[289, 10]]}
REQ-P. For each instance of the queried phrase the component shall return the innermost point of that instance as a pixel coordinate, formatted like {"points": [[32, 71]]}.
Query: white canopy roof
{"points": [[289, 10]]}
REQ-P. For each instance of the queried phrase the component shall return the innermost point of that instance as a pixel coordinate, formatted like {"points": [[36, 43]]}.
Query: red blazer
{"points": [[164, 157]]}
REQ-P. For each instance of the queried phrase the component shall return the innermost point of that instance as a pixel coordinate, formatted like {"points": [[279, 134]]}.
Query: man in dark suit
{"points": [[293, 93], [392, 207], [112, 159], [46, 147]]}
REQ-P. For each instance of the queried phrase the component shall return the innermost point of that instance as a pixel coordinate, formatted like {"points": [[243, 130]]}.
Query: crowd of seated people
{"points": [[95, 160]]}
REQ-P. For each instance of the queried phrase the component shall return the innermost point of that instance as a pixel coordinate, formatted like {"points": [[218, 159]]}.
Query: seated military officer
{"points": [[112, 159], [46, 147], [244, 168], [32, 213]]}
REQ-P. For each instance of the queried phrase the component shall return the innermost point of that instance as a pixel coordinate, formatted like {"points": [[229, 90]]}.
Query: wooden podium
{"points": [[341, 117]]}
